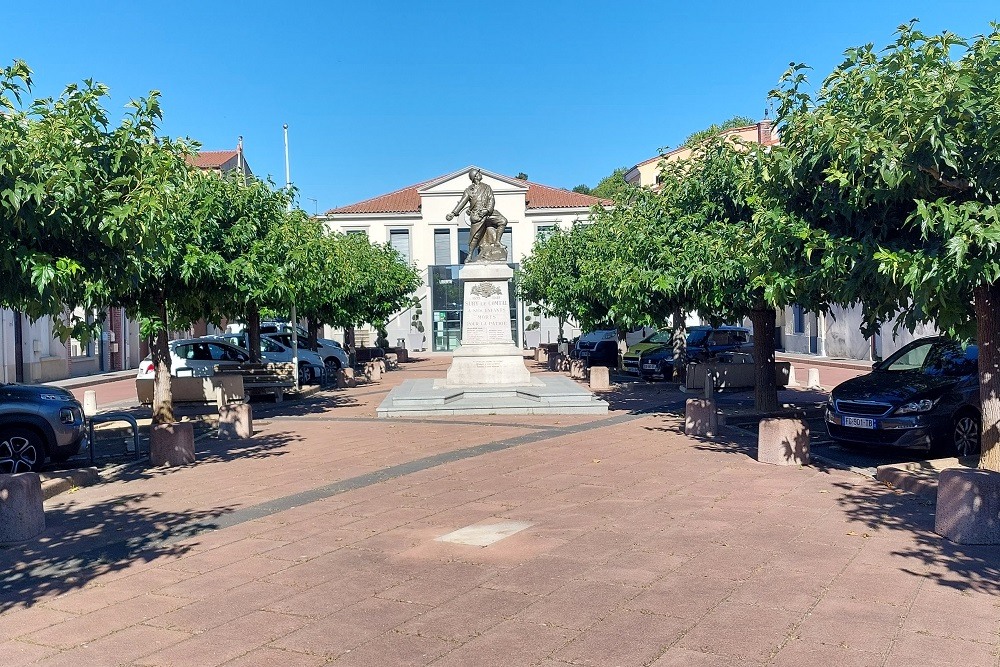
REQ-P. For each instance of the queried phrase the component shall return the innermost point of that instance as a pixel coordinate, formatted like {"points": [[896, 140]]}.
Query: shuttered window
{"points": [[399, 239], [442, 246]]}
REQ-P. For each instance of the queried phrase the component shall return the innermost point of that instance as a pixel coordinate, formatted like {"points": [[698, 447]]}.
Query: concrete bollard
{"points": [[600, 378], [700, 417], [792, 380], [542, 354], [381, 367], [968, 506], [171, 444], [553, 362], [90, 402], [783, 441], [577, 369], [22, 516], [373, 371], [235, 421], [813, 382], [391, 361], [345, 378]]}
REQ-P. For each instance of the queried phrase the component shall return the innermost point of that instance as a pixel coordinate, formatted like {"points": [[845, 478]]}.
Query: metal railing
{"points": [[114, 417]]}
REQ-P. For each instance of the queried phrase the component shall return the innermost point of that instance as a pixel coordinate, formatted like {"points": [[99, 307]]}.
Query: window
{"points": [[356, 231], [463, 244], [798, 319], [79, 348], [399, 239], [442, 246], [542, 232]]}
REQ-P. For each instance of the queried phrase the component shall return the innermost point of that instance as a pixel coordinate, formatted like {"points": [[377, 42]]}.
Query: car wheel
{"points": [[332, 365], [21, 450], [306, 374], [965, 434]]}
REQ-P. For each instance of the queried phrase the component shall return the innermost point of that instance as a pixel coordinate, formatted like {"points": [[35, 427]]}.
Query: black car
{"points": [[654, 355], [924, 395]]}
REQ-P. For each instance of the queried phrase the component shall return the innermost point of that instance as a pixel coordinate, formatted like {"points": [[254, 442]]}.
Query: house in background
{"points": [[412, 220]]}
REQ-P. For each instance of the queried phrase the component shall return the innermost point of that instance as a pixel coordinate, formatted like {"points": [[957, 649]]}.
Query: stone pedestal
{"points": [[968, 506], [700, 417], [171, 444], [21, 514], [487, 355], [235, 421], [600, 378], [783, 441], [578, 369]]}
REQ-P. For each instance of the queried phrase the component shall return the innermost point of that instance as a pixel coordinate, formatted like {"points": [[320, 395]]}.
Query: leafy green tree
{"points": [[894, 165], [700, 136], [71, 187], [611, 186]]}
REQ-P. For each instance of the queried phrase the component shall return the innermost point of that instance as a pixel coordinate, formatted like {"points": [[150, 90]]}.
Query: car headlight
{"points": [[923, 405], [66, 415]]}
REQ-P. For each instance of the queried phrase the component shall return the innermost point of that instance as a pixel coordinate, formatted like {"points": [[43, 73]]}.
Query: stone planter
{"points": [[968, 506], [600, 378], [235, 422], [171, 444], [783, 441], [21, 514], [700, 417]]}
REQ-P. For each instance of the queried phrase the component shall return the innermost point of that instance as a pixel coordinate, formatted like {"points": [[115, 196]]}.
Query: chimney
{"points": [[764, 132]]}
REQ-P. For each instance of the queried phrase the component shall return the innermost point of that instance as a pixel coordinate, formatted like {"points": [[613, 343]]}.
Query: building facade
{"points": [[413, 221]]}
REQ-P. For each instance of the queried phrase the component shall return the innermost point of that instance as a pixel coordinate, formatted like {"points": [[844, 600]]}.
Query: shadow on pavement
{"points": [[956, 566], [82, 542]]}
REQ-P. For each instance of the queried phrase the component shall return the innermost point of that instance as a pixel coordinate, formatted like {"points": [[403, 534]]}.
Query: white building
{"points": [[412, 220]]}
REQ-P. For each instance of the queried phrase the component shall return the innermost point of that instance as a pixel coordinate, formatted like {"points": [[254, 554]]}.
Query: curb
{"points": [[54, 483], [920, 477]]}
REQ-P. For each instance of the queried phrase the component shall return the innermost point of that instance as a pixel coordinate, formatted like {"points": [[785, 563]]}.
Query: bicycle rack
{"points": [[114, 417]]}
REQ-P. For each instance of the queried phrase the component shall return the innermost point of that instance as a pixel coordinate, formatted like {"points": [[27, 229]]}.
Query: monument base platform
{"points": [[555, 395]]}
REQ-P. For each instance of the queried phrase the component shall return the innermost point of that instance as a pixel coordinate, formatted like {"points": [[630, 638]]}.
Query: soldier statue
{"points": [[486, 224]]}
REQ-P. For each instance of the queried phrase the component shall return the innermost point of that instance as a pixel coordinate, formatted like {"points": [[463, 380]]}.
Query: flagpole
{"points": [[295, 321]]}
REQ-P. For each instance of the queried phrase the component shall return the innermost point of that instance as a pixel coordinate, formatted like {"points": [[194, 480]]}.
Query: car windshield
{"points": [[664, 336], [938, 358]]}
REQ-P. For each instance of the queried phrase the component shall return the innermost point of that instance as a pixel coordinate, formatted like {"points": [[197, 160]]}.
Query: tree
{"points": [[895, 167], [700, 136], [70, 193]]}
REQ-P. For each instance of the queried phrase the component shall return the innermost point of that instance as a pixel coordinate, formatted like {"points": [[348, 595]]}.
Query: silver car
{"points": [[36, 422]]}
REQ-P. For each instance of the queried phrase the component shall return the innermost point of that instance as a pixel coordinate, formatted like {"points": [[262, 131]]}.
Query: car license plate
{"points": [[859, 422], [649, 367]]}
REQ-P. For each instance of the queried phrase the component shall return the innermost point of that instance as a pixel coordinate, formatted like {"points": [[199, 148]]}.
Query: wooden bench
{"points": [[261, 379], [220, 389]]}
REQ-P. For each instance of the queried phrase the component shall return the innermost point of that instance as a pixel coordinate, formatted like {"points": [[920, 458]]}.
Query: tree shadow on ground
{"points": [[961, 567], [81, 543], [637, 397]]}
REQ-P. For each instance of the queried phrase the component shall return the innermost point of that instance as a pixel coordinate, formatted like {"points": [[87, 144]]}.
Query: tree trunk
{"points": [[679, 340], [988, 334], [313, 335], [159, 350], [253, 332], [765, 392]]}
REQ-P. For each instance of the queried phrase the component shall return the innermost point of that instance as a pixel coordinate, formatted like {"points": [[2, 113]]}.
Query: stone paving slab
{"points": [[316, 543]]}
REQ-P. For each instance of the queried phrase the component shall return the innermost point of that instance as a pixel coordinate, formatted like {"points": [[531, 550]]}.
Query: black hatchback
{"points": [[924, 395]]}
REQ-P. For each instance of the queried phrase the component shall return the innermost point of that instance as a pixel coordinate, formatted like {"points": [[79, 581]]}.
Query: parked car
{"points": [[926, 394], [311, 365], [196, 357], [333, 355], [36, 422], [598, 348], [654, 355]]}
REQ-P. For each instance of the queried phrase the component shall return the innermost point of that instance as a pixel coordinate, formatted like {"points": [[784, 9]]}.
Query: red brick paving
{"points": [[647, 548]]}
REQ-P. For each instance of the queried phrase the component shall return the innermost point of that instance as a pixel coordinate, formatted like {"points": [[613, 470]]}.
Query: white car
{"points": [[333, 355], [311, 366], [196, 357]]}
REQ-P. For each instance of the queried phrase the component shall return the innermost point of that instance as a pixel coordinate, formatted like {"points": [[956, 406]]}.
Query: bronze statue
{"points": [[485, 222]]}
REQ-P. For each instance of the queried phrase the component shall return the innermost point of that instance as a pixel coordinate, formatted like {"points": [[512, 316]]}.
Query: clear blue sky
{"points": [[381, 95]]}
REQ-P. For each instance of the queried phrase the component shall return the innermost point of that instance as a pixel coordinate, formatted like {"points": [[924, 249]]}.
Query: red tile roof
{"points": [[407, 200], [212, 159]]}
